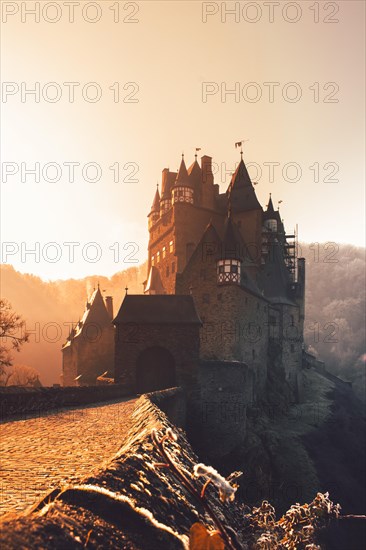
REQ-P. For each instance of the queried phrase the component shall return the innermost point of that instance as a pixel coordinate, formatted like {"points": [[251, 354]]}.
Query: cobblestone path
{"points": [[37, 454]]}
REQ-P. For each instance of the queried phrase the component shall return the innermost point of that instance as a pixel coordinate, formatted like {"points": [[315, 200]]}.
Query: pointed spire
{"points": [[182, 177], [156, 202], [270, 208], [154, 283], [241, 177], [241, 192]]}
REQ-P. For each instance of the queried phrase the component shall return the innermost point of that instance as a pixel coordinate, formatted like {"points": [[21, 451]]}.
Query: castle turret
{"points": [[168, 179], [229, 264], [195, 176], [271, 218], [183, 188], [155, 208]]}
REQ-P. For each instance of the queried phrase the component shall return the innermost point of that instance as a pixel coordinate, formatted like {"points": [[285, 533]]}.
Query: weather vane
{"points": [[240, 144]]}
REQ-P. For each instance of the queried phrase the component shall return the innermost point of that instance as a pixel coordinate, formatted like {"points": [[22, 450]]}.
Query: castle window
{"points": [[228, 271], [206, 298], [152, 260], [292, 348], [272, 320], [171, 246], [158, 257], [173, 267], [253, 353], [164, 251], [165, 205], [167, 271], [271, 225], [183, 194], [292, 320]]}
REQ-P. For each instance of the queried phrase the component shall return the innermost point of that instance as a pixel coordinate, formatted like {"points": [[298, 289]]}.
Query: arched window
{"points": [[271, 225]]}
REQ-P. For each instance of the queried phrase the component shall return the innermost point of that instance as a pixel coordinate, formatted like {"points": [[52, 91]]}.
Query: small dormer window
{"points": [[157, 257], [271, 225], [171, 247], [228, 271], [164, 251], [152, 260], [182, 194]]}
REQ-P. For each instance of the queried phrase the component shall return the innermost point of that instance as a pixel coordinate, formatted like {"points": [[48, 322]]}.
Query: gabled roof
{"points": [[168, 309], [154, 283], [241, 191], [195, 170], [95, 313]]}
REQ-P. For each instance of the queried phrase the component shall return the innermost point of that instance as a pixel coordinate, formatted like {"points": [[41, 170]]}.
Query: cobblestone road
{"points": [[37, 454]]}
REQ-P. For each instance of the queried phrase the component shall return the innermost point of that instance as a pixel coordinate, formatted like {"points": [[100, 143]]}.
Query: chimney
{"points": [[206, 166], [109, 305]]}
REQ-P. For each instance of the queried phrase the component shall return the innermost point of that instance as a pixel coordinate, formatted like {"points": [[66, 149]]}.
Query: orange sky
{"points": [[170, 53]]}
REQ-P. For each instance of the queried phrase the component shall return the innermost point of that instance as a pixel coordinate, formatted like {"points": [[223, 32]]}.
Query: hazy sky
{"points": [[298, 77]]}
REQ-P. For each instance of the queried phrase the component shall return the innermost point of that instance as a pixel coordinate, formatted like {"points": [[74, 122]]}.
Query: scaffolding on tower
{"points": [[290, 254]]}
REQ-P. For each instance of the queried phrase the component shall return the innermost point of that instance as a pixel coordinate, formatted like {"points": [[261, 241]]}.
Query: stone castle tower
{"points": [[238, 264], [88, 351]]}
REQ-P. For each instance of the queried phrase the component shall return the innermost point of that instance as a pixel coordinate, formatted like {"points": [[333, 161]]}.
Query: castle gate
{"points": [[155, 370]]}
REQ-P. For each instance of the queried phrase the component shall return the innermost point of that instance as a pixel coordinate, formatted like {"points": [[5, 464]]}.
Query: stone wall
{"points": [[217, 413], [23, 402], [128, 503]]}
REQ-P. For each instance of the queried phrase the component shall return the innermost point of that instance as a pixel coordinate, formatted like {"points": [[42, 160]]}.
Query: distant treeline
{"points": [[335, 308]]}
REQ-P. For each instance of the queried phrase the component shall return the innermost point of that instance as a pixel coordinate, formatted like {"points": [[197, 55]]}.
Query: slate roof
{"points": [[183, 177], [95, 312], [241, 192], [158, 309], [154, 282], [274, 277], [156, 203]]}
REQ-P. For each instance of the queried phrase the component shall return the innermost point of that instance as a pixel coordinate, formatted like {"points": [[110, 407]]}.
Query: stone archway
{"points": [[155, 370]]}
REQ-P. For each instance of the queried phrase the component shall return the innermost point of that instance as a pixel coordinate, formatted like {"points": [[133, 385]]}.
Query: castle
{"points": [[224, 285]]}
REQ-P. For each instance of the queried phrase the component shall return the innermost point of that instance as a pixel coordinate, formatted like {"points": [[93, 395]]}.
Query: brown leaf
{"points": [[201, 539]]}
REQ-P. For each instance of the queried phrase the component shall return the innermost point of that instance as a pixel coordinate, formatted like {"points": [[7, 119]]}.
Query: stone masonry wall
{"points": [[23, 402]]}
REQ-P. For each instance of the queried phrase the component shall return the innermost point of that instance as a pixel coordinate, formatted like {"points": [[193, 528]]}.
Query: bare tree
{"points": [[21, 375], [12, 334]]}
